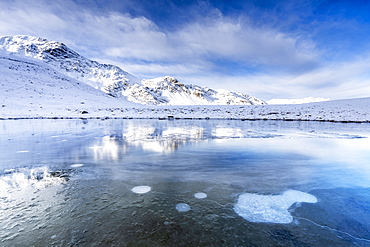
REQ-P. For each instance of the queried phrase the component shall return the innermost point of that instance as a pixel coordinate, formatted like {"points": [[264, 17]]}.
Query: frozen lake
{"points": [[184, 183]]}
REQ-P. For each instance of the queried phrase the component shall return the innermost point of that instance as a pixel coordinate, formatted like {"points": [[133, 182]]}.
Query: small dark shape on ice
{"points": [[61, 174]]}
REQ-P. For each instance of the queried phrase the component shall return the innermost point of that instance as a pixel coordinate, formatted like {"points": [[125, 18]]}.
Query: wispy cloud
{"points": [[333, 80], [120, 35], [240, 41]]}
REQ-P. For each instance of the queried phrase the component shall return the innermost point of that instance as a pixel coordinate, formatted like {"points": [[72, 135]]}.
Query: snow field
{"points": [[353, 110]]}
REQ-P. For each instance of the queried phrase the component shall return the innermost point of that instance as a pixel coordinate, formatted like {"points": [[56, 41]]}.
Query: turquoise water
{"points": [[184, 183]]}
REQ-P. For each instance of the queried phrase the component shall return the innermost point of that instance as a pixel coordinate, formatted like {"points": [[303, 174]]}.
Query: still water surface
{"points": [[184, 183]]}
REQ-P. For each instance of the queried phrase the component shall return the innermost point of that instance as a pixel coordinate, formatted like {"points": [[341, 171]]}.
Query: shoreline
{"points": [[177, 118]]}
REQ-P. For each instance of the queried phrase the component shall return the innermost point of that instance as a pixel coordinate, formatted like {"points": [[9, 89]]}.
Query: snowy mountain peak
{"points": [[36, 47], [166, 81], [108, 78], [117, 82]]}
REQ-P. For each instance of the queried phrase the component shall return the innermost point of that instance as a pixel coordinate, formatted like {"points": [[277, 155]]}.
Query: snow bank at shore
{"points": [[350, 110]]}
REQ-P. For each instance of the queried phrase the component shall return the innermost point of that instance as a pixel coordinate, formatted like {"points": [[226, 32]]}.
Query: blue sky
{"points": [[266, 48]]}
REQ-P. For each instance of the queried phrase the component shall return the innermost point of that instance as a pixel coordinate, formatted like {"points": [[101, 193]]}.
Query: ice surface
{"points": [[200, 195], [141, 189], [77, 165], [203, 164], [222, 132], [182, 207], [270, 208]]}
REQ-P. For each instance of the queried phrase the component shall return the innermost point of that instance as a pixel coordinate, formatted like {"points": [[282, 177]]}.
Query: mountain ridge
{"points": [[117, 82]]}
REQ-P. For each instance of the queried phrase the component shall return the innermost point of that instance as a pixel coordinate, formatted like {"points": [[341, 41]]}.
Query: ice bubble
{"points": [[141, 189], [23, 151], [182, 207], [77, 165], [200, 195], [270, 208]]}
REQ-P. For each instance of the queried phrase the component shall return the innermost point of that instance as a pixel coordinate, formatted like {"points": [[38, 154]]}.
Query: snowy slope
{"points": [[295, 101], [117, 82], [349, 110], [32, 88]]}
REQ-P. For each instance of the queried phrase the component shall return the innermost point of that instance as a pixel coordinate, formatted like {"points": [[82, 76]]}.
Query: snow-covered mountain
{"points": [[117, 82], [169, 91], [107, 78]]}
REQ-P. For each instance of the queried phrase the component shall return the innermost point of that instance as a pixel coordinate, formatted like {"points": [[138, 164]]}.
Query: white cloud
{"points": [[240, 41], [120, 35], [24, 18], [335, 80], [150, 70]]}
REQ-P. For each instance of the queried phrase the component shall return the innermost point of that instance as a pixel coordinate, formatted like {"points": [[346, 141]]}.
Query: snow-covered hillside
{"points": [[117, 82], [31, 88], [295, 101]]}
